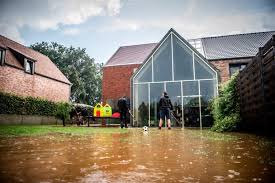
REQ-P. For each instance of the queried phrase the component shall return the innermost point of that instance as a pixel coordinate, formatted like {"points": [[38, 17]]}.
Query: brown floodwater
{"points": [[175, 155]]}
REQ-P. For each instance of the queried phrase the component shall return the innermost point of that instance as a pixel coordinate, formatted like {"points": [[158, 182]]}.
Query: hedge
{"points": [[12, 104]]}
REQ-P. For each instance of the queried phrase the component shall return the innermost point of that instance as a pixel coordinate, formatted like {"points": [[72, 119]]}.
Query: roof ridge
{"points": [[22, 45], [228, 35], [33, 54], [137, 44]]}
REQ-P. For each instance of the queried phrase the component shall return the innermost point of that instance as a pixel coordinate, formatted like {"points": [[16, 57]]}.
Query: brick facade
{"points": [[223, 67], [16, 81], [116, 81]]}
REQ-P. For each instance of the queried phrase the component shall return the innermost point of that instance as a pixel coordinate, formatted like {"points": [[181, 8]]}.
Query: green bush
{"points": [[225, 108], [12, 104], [62, 111]]}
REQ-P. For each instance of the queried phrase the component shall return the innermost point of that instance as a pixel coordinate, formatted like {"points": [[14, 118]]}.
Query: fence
{"points": [[256, 90]]}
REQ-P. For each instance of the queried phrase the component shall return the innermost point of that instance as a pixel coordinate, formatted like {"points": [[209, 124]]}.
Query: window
{"points": [[183, 61], [233, 68], [162, 66], [2, 57], [145, 75], [190, 81], [29, 66], [203, 71]]}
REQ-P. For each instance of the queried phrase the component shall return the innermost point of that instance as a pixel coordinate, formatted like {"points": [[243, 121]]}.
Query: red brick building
{"points": [[26, 72], [228, 54]]}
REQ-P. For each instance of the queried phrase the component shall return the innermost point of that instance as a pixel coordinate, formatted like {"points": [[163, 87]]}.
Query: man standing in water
{"points": [[165, 106], [123, 109]]}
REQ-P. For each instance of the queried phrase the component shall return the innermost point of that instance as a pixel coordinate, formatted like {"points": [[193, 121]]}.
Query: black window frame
{"points": [[239, 65], [31, 62], [2, 56]]}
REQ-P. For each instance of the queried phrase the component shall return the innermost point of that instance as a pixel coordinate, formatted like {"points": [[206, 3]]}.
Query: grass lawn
{"points": [[29, 130]]}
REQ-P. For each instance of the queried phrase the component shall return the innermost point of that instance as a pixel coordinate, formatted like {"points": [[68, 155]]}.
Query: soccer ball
{"points": [[145, 128]]}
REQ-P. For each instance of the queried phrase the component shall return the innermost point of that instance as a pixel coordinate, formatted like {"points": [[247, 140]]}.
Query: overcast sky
{"points": [[101, 26]]}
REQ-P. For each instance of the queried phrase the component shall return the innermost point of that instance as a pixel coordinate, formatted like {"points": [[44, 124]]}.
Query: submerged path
{"points": [[135, 156]]}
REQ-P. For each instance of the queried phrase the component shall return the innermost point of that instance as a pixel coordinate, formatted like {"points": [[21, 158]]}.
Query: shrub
{"points": [[225, 108], [12, 104], [62, 111]]}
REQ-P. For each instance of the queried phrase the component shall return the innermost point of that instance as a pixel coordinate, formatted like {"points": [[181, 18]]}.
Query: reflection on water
{"points": [[157, 156]]}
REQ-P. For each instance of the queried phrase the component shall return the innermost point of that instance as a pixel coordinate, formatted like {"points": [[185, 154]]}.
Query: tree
{"points": [[78, 67], [63, 111]]}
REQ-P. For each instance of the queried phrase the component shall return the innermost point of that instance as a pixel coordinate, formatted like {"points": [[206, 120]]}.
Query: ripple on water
{"points": [[219, 178], [234, 172], [141, 167]]}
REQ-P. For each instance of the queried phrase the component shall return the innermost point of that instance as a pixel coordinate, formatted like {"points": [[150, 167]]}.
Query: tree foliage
{"points": [[226, 108], [63, 111], [78, 67]]}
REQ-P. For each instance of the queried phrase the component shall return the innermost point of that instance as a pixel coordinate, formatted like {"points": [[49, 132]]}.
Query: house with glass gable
{"points": [[188, 70]]}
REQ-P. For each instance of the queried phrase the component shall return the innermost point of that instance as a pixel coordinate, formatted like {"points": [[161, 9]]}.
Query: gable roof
{"points": [[212, 48], [170, 32], [135, 54], [234, 46], [43, 65]]}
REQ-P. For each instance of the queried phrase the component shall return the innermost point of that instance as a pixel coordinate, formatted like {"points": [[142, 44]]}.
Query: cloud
{"points": [[118, 24], [71, 31], [51, 14], [11, 32], [191, 26]]}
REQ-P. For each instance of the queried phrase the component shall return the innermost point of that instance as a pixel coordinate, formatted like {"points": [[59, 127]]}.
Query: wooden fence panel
{"points": [[256, 90]]}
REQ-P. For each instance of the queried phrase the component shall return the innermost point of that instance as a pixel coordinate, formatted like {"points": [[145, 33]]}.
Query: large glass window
{"points": [[145, 75], [190, 88], [202, 70], [194, 85], [207, 91], [155, 93], [183, 61], [174, 92], [191, 109], [142, 104], [162, 62]]}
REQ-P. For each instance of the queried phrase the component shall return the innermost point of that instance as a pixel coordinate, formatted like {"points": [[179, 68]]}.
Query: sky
{"points": [[101, 26]]}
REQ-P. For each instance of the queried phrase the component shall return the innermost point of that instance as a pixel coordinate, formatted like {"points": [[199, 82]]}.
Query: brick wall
{"points": [[116, 81], [18, 82], [223, 67]]}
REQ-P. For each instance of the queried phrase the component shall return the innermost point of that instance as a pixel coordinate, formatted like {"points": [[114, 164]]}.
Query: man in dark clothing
{"points": [[123, 107], [165, 106]]}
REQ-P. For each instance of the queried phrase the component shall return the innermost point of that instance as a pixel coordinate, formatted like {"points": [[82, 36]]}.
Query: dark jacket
{"points": [[165, 103], [123, 104]]}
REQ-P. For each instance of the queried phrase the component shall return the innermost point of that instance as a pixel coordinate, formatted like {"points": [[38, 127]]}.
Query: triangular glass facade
{"points": [[183, 61], [162, 62], [176, 67]]}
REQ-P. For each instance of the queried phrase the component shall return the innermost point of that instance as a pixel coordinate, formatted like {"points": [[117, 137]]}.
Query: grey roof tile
{"points": [[220, 47], [234, 46], [134, 54]]}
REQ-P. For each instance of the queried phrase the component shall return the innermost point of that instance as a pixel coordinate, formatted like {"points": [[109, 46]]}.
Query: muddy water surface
{"points": [[157, 156]]}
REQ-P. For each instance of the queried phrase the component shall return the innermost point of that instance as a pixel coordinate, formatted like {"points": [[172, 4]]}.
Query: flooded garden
{"points": [[132, 155]]}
